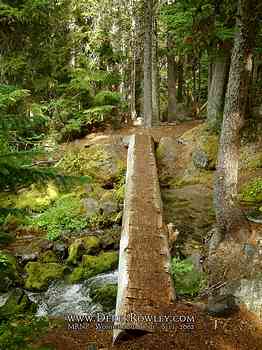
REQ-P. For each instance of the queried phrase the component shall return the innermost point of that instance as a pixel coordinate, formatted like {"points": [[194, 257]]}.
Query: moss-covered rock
{"points": [[84, 245], [205, 143], [8, 271], [48, 257], [94, 265], [39, 275], [37, 198], [105, 295], [110, 239], [16, 303], [100, 161]]}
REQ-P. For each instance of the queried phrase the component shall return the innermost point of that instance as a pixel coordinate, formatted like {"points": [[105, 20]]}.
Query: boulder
{"points": [[200, 159], [94, 265], [81, 246], [39, 275], [104, 295], [91, 206], [248, 292]]}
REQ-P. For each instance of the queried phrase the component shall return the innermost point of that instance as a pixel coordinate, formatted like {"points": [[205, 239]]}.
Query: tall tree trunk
{"points": [[148, 108], [172, 78], [155, 76], [230, 219], [180, 83], [136, 69], [217, 88]]}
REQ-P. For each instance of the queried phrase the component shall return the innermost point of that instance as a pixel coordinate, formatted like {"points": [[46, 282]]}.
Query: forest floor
{"points": [[239, 332]]}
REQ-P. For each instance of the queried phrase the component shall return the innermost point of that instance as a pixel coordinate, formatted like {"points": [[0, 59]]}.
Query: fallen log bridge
{"points": [[144, 283]]}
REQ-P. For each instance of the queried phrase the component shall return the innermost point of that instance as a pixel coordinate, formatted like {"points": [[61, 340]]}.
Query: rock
{"points": [[166, 150], [196, 259], [249, 293], [40, 274], [100, 161], [25, 258], [200, 159], [8, 271], [108, 203], [81, 246], [105, 296], [48, 257], [222, 305], [94, 265], [91, 206], [60, 248], [16, 303], [110, 239]]}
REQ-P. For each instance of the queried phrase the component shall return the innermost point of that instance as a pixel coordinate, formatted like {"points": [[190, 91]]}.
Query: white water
{"points": [[61, 298]]}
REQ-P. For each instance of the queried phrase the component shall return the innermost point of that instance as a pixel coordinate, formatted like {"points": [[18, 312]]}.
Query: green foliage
{"points": [[252, 191], [20, 333], [65, 216], [107, 98], [187, 280]]}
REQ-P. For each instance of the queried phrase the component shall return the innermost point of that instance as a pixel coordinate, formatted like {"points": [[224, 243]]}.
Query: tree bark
{"points": [[155, 76], [180, 83], [217, 89], [148, 108], [230, 219], [172, 79]]}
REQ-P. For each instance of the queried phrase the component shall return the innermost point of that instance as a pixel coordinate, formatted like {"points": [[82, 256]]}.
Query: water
{"points": [[61, 298]]}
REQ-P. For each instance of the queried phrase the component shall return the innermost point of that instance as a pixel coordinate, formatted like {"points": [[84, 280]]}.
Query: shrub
{"points": [[252, 191], [188, 281], [18, 333], [66, 215]]}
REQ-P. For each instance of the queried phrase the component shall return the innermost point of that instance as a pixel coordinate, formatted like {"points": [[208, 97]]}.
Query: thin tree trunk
{"points": [[217, 89], [180, 83], [172, 79], [155, 77], [230, 219], [148, 108]]}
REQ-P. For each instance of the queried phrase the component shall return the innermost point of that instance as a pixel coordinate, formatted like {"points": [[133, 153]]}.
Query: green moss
{"points": [[105, 295], [17, 303], [39, 275], [209, 145], [203, 139], [85, 245], [37, 198], [188, 281], [84, 161], [202, 177], [94, 265], [160, 151], [252, 191], [8, 271], [48, 257]]}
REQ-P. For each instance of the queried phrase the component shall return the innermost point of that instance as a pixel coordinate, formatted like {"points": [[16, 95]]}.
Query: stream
{"points": [[62, 298]]}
